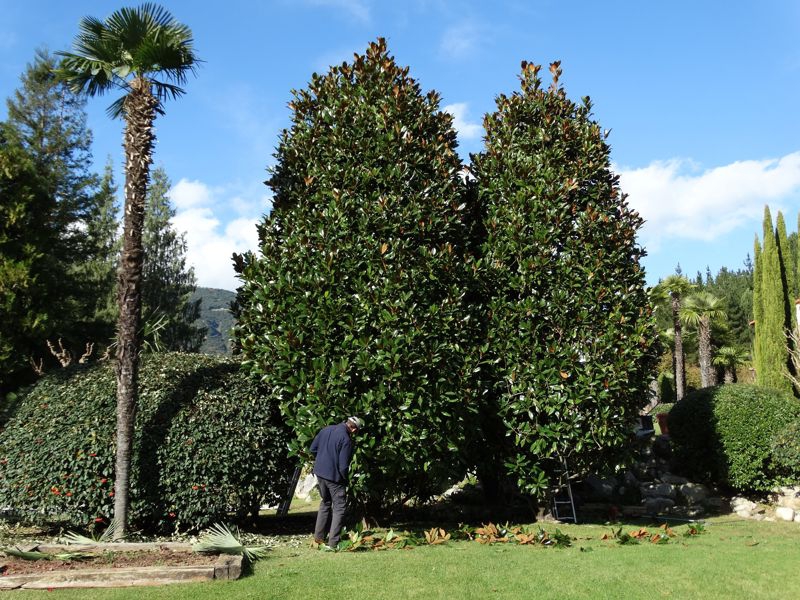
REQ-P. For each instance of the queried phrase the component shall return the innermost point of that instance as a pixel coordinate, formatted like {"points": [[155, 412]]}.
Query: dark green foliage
{"points": [[724, 435], [216, 317], [571, 340], [51, 125], [786, 448], [357, 302], [167, 284], [208, 441], [23, 314], [772, 354]]}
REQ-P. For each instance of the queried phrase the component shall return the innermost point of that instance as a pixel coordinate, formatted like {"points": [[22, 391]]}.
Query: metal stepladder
{"points": [[283, 508], [562, 500]]}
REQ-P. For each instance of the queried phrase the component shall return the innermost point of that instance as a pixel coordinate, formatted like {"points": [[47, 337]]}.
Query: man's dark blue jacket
{"points": [[333, 451]]}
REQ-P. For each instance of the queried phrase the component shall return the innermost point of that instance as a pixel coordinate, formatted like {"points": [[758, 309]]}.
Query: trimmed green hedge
{"points": [[725, 435], [208, 443]]}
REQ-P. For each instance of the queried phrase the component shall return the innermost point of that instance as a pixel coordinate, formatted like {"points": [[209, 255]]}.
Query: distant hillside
{"points": [[216, 315]]}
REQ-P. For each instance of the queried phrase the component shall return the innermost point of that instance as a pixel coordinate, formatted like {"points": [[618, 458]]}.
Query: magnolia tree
{"points": [[571, 338], [357, 302]]}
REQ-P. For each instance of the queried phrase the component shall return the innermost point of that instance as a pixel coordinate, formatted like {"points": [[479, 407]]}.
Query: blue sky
{"points": [[701, 99]]}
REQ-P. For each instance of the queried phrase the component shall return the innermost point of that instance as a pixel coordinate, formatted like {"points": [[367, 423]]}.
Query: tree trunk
{"points": [[679, 364], [704, 350], [730, 375], [140, 106]]}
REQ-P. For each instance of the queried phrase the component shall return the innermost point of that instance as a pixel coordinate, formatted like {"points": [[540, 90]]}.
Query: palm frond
{"points": [[220, 539], [75, 538], [31, 555]]}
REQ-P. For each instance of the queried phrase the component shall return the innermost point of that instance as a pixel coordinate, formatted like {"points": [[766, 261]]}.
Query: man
{"points": [[332, 449]]}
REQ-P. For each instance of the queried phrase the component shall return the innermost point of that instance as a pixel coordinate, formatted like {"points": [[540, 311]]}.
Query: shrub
{"points": [[786, 449], [208, 441], [357, 302], [571, 337], [725, 434]]}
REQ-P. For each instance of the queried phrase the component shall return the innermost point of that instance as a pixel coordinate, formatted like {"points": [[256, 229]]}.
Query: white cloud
{"points": [[460, 40], [466, 129], [678, 200], [217, 221], [357, 9]]}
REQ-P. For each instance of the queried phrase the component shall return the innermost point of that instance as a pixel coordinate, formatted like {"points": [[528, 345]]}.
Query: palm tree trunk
{"points": [[730, 375], [678, 358], [704, 350], [140, 107]]}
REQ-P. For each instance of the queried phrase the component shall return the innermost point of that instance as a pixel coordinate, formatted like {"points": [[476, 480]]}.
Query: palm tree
{"points": [[699, 310], [673, 289], [729, 358], [146, 54]]}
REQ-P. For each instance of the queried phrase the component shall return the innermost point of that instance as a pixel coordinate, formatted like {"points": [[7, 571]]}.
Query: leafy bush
{"points": [[357, 302], [571, 341], [725, 434], [786, 449], [208, 441]]}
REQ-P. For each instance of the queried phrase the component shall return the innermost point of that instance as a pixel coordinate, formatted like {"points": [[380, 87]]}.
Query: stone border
{"points": [[226, 567]]}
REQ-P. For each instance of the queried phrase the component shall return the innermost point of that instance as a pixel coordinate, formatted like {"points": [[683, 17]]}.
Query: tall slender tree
{"points": [[23, 314], [774, 324], [675, 288], [51, 123], [699, 311], [147, 54], [168, 284]]}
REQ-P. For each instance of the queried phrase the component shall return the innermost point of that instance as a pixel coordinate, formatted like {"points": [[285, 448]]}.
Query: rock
{"points": [[673, 479], [658, 505], [306, 486], [717, 503], [600, 488], [784, 513], [693, 493], [653, 490], [739, 505], [630, 479], [797, 518], [788, 497]]}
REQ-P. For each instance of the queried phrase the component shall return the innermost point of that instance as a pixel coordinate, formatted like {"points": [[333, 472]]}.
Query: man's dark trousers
{"points": [[331, 510]]}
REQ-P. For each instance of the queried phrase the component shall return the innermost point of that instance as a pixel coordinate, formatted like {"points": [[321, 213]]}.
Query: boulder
{"points": [[693, 493], [664, 490], [658, 505], [673, 479], [600, 488], [784, 513]]}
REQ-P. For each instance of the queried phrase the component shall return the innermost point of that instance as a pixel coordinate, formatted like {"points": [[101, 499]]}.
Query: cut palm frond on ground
{"points": [[220, 539]]}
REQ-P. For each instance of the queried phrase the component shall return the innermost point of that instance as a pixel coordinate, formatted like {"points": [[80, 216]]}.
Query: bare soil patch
{"points": [[161, 557]]}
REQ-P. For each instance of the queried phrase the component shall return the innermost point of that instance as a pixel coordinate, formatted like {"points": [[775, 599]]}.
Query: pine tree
{"points": [[167, 283], [758, 306], [51, 125], [98, 270], [24, 312]]}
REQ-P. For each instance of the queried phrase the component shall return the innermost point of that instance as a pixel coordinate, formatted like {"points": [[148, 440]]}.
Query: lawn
{"points": [[734, 558]]}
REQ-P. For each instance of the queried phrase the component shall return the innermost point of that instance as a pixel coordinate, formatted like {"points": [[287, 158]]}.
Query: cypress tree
{"points": [[773, 355], [758, 307], [787, 270]]}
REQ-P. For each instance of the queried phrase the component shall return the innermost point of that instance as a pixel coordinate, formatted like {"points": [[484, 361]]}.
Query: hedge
{"points": [[208, 443], [726, 435]]}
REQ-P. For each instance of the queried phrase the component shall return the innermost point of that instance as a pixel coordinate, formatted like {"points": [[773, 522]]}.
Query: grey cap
{"points": [[355, 422]]}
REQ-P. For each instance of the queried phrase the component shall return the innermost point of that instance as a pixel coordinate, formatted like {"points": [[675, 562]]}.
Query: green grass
{"points": [[733, 559]]}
